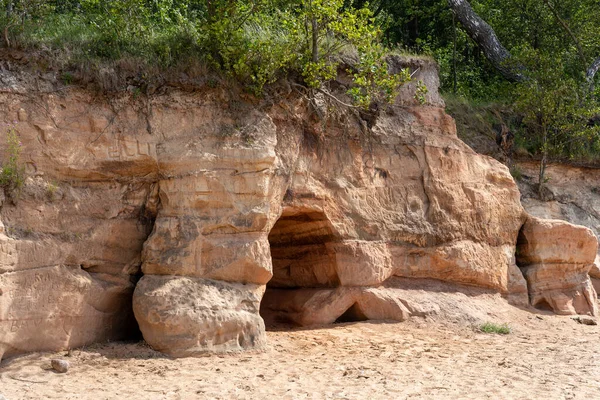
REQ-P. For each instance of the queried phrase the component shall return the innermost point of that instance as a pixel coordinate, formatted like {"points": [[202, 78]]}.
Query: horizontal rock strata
{"points": [[556, 258], [211, 198]]}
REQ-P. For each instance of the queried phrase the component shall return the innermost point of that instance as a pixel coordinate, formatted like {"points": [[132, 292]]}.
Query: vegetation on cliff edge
{"points": [[255, 42], [541, 64]]}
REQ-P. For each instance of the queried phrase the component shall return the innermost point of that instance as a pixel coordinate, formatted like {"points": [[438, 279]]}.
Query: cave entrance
{"points": [[303, 261]]}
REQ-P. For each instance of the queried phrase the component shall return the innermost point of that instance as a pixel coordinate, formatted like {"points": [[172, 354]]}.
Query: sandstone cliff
{"points": [[574, 196], [185, 207]]}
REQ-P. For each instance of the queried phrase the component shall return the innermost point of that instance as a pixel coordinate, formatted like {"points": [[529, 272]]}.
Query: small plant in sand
{"points": [[490, 327]]}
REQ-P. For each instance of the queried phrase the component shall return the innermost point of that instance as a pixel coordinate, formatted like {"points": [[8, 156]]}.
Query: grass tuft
{"points": [[490, 327], [516, 172]]}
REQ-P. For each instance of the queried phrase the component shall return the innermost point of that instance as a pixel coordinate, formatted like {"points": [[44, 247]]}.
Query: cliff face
{"points": [[185, 207], [574, 196]]}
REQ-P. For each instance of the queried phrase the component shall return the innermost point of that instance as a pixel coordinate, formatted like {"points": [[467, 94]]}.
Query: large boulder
{"points": [[556, 258], [185, 316], [574, 197]]}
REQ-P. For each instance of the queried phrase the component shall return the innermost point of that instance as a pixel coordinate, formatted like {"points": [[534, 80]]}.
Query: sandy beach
{"points": [[544, 357]]}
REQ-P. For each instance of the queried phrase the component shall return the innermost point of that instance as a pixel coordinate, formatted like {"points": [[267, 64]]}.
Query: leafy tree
{"points": [[18, 11], [331, 28], [556, 109], [555, 42]]}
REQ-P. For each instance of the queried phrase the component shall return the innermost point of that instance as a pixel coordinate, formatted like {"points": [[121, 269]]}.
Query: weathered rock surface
{"points": [[556, 258], [216, 198], [595, 274], [397, 299], [184, 316], [71, 245], [574, 197], [321, 212], [62, 307]]}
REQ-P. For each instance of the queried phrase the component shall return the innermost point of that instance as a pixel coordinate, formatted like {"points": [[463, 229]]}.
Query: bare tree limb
{"points": [[327, 94], [483, 34]]}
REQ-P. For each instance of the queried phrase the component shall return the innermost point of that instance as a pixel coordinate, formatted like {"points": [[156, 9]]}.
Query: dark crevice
{"points": [[352, 314], [543, 305], [147, 218], [303, 258]]}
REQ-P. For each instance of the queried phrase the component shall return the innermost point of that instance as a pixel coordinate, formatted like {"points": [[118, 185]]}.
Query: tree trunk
{"points": [[454, 72], [9, 12], [591, 71], [211, 11], [315, 40], [543, 163], [6, 38], [483, 34]]}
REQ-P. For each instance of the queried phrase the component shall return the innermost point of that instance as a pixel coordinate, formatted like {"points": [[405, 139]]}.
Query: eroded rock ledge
{"points": [[556, 258], [214, 199]]}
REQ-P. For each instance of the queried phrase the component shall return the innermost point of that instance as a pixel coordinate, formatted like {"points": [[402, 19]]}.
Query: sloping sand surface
{"points": [[545, 357]]}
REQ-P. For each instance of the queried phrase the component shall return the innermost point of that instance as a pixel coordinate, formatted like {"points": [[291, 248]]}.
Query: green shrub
{"points": [[51, 189], [421, 92], [12, 175], [490, 327], [255, 42], [256, 51]]}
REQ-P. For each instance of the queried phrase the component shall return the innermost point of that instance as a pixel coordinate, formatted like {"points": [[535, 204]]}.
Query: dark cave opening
{"points": [[353, 314], [543, 305], [303, 259]]}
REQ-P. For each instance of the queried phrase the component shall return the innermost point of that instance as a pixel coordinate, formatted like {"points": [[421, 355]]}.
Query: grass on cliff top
{"points": [[76, 40], [254, 43]]}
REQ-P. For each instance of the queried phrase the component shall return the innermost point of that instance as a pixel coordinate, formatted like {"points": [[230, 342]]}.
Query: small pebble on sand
{"points": [[60, 366]]}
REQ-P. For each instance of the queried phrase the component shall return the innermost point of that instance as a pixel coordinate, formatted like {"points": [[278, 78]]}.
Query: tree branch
{"points": [[483, 34], [380, 8]]}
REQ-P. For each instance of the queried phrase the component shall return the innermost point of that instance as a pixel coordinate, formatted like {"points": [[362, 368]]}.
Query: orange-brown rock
{"points": [[71, 239], [573, 197], [556, 257], [325, 211], [215, 198], [595, 274], [182, 316]]}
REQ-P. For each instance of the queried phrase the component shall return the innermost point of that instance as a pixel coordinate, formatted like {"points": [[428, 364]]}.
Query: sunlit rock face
{"points": [[187, 208], [573, 196], [556, 258]]}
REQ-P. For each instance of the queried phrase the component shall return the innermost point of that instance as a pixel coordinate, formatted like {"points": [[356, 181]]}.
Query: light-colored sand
{"points": [[549, 358]]}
